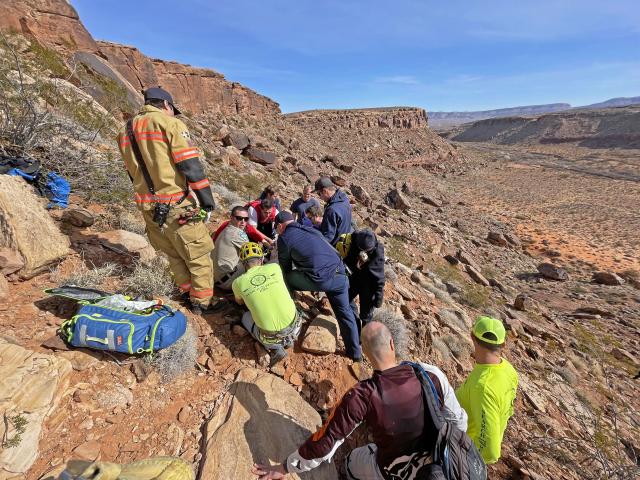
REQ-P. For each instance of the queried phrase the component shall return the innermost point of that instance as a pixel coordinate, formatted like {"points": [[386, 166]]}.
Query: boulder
{"points": [[128, 243], [497, 238], [258, 409], [10, 261], [31, 388], [361, 195], [339, 181], [321, 335], [236, 139], [395, 199], [345, 168], [429, 200], [308, 171], [523, 302], [552, 272], [26, 227], [262, 157], [608, 278], [476, 276], [79, 217]]}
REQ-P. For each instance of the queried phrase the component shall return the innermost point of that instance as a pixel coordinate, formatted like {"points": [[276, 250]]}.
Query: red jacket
{"points": [[261, 219]]}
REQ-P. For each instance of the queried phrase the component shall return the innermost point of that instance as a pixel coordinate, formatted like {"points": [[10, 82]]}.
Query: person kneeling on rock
{"points": [[391, 404], [272, 318]]}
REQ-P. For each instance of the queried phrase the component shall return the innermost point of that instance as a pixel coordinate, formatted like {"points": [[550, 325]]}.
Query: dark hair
{"points": [[238, 208], [489, 346], [155, 102], [266, 203], [314, 210], [269, 190]]}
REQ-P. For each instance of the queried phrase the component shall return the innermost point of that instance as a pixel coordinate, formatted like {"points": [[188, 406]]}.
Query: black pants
{"points": [[367, 294]]}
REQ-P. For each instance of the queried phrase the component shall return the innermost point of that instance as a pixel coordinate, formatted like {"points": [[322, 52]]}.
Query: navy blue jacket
{"points": [[337, 217], [305, 248], [370, 277]]}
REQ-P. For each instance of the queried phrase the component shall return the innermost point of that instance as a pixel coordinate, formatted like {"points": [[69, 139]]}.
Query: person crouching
{"points": [[272, 318]]}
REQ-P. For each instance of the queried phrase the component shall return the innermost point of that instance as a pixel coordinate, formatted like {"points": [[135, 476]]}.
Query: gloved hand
{"points": [[208, 217]]}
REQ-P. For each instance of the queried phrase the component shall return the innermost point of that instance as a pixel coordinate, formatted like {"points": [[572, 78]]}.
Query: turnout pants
{"points": [[188, 248], [337, 290]]}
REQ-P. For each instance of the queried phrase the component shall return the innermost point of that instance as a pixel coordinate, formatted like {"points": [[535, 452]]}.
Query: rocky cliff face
{"points": [[54, 23], [368, 118], [198, 90], [448, 119]]}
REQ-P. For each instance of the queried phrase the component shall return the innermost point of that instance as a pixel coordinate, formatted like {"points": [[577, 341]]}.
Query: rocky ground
{"points": [[542, 237]]}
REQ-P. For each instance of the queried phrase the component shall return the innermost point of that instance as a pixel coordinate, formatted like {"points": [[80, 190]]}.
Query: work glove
{"points": [[207, 218]]}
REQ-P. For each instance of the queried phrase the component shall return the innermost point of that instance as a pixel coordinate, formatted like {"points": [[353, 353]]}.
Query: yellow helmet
{"points": [[250, 250]]}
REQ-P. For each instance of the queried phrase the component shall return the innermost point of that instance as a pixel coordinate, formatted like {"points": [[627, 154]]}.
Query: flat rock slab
{"points": [[261, 419], [27, 227], [128, 243], [31, 385], [321, 335]]}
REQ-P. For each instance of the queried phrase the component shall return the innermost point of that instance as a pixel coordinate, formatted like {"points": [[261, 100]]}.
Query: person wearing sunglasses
{"points": [[226, 255]]}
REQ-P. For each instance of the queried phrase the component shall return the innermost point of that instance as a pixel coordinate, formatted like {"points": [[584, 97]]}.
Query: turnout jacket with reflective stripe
{"points": [[171, 158]]}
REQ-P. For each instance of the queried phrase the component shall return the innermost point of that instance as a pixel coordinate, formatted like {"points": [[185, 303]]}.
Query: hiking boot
{"points": [[277, 356], [220, 305], [197, 309], [358, 370]]}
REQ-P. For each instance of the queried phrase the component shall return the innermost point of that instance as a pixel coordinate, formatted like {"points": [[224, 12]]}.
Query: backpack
{"points": [[455, 456], [103, 327], [344, 244]]}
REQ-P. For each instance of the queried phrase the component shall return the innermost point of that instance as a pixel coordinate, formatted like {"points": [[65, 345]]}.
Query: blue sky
{"points": [[439, 55]]}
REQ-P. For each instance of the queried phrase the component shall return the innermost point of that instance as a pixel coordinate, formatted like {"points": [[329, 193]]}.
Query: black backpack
{"points": [[455, 456]]}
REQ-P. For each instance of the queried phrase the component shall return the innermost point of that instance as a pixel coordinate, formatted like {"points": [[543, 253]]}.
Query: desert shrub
{"points": [[458, 346], [397, 325], [440, 346], [439, 293], [475, 296], [449, 317], [149, 280], [567, 375], [390, 274], [89, 277], [229, 197], [178, 359], [131, 222]]}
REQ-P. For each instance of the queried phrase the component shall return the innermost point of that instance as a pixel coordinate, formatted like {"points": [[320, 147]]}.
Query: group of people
{"points": [[263, 253]]}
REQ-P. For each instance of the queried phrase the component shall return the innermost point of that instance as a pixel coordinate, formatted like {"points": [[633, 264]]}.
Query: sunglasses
{"points": [[240, 219]]}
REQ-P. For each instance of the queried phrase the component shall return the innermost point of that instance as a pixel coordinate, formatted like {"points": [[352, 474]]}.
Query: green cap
{"points": [[489, 330]]}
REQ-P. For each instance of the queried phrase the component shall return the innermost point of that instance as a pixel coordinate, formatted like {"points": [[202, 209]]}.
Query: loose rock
{"points": [[552, 272], [321, 335], [608, 278]]}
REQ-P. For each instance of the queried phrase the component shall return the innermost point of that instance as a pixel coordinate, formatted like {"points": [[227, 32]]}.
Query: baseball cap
{"points": [[157, 93], [323, 182], [490, 330], [283, 217]]}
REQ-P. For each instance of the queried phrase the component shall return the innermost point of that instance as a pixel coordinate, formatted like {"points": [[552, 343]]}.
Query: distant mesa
{"points": [[444, 120]]}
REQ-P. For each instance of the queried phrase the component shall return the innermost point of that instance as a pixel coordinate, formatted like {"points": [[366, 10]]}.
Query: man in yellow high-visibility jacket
{"points": [[489, 391], [181, 202]]}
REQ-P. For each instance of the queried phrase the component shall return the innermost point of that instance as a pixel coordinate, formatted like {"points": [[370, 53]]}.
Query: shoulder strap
{"points": [[431, 398], [138, 154]]}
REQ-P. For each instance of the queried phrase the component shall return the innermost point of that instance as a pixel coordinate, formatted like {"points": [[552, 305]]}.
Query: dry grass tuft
{"points": [[178, 359], [149, 280], [89, 277]]}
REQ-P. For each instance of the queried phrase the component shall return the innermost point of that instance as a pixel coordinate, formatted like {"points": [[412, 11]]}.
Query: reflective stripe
{"points": [[185, 154], [185, 287], [201, 293], [159, 198], [111, 339], [83, 335], [200, 184]]}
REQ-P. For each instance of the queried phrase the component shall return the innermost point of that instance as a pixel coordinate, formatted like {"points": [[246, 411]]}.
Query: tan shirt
{"points": [[226, 254]]}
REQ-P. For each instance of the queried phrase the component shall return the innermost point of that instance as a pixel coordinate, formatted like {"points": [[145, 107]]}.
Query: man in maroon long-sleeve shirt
{"points": [[391, 404]]}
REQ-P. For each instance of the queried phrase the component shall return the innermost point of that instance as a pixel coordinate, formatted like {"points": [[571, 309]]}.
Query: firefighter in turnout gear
{"points": [[169, 183]]}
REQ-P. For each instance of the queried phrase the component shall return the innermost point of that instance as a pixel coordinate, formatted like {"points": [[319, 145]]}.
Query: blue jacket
{"points": [[337, 217], [305, 248]]}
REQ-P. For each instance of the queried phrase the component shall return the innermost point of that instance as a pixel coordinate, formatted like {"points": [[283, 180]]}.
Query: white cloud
{"points": [[399, 79]]}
